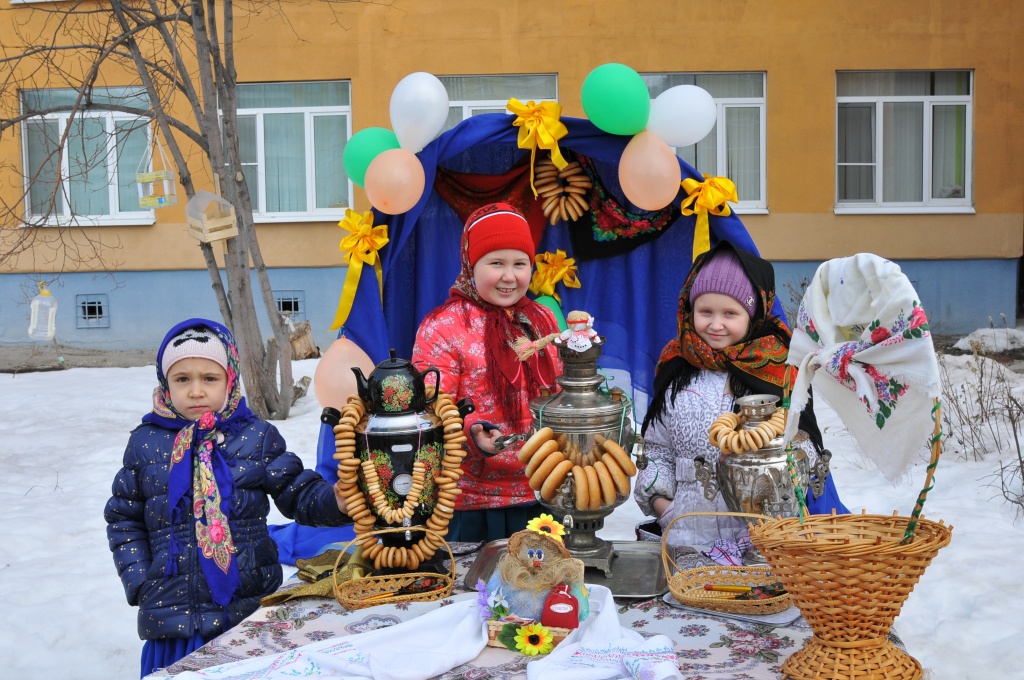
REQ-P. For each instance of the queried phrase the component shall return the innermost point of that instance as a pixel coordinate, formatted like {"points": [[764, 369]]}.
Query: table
{"points": [[707, 646]]}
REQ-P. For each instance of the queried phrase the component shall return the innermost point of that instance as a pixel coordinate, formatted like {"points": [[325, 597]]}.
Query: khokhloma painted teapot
{"points": [[395, 387]]}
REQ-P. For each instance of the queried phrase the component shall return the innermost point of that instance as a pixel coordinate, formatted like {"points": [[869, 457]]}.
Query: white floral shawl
{"points": [[862, 340]]}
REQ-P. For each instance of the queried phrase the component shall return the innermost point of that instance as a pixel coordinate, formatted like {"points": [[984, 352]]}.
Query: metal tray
{"points": [[637, 569]]}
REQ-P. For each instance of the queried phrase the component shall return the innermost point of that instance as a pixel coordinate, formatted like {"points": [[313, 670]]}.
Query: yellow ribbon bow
{"points": [[360, 247], [553, 268], [540, 126], [707, 198]]}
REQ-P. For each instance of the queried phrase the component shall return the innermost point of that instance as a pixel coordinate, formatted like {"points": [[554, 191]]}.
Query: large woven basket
{"points": [[849, 576], [370, 591], [687, 585]]}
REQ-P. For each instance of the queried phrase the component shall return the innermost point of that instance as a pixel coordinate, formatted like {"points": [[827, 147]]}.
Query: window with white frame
{"points": [[735, 147], [80, 160], [291, 137], [472, 95], [903, 141]]}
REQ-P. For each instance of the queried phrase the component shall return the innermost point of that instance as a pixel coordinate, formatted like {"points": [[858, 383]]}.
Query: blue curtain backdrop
{"points": [[632, 296]]}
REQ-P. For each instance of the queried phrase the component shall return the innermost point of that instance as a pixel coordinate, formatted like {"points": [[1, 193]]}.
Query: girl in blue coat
{"points": [[187, 521]]}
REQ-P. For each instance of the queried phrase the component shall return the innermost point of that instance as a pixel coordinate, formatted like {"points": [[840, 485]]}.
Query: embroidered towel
{"points": [[862, 340]]}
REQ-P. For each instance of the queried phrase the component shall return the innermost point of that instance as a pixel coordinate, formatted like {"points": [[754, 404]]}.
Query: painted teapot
{"points": [[395, 387]]}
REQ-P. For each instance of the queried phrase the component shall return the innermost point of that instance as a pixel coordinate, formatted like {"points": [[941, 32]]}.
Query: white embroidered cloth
{"points": [[444, 638], [862, 340]]}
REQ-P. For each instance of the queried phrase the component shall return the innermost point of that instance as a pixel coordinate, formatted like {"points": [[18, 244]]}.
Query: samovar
{"points": [[760, 481], [398, 430], [582, 416]]}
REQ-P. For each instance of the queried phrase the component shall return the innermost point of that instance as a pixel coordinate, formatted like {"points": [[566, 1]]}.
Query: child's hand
{"points": [[485, 437], [661, 505], [342, 501]]}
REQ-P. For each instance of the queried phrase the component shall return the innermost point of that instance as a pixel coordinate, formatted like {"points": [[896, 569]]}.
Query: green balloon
{"points": [[615, 99], [364, 146], [556, 309]]}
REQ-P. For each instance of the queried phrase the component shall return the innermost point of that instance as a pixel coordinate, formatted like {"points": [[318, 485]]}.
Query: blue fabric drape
{"points": [[632, 296]]}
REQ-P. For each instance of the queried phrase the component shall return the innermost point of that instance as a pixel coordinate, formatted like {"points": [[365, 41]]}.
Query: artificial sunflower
{"points": [[546, 524], [534, 639]]}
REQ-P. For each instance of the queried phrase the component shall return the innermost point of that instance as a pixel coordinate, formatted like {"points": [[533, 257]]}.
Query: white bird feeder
{"points": [[210, 217]]}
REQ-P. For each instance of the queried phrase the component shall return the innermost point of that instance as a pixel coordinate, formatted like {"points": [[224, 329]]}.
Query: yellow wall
{"points": [[799, 43]]}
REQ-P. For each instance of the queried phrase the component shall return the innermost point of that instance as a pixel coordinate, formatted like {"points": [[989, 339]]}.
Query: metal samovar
{"points": [[582, 415], [760, 481]]}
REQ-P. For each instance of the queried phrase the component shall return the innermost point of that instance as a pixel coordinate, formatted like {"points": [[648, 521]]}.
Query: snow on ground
{"points": [[62, 436]]}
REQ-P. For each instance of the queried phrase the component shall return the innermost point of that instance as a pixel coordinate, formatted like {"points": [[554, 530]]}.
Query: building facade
{"points": [[892, 128]]}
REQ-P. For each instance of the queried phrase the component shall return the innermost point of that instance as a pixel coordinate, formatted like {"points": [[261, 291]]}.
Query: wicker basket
{"points": [[356, 593], [687, 586], [849, 575], [494, 628]]}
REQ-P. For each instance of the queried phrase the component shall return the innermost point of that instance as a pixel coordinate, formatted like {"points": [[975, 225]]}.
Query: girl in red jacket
{"points": [[470, 340]]}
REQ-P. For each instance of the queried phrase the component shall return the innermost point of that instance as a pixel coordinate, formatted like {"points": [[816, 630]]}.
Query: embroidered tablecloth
{"points": [[707, 647]]}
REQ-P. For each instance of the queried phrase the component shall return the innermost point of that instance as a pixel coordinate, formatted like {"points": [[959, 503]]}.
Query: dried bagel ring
{"points": [[550, 487], [582, 489], [534, 442], [547, 450], [621, 457], [545, 468], [619, 477], [594, 487], [604, 478]]}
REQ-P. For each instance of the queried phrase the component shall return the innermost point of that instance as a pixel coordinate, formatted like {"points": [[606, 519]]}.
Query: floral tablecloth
{"points": [[707, 646]]}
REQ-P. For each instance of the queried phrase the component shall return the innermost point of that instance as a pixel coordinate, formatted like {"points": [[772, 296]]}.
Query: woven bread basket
{"points": [[370, 591], [687, 586], [494, 629]]}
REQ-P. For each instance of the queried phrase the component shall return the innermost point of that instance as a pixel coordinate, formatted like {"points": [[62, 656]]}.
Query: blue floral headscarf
{"points": [[198, 465]]}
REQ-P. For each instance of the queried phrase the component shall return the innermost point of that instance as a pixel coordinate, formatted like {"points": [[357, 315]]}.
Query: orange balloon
{"points": [[333, 380], [394, 181], [649, 172]]}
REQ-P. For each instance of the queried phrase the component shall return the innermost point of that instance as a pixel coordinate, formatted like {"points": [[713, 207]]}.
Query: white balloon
{"points": [[682, 115], [419, 109]]}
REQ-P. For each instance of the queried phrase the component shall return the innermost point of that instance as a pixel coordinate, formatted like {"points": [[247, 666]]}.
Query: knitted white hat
{"points": [[194, 343]]}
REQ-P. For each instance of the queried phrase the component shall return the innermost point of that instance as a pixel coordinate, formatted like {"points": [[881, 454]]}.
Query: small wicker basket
{"points": [[494, 628], [371, 591], [687, 586]]}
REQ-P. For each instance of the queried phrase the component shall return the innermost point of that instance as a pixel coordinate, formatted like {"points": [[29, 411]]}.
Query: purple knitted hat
{"points": [[724, 274]]}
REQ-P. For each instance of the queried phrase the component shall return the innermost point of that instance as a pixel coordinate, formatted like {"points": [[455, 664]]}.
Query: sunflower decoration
{"points": [[546, 524], [534, 639]]}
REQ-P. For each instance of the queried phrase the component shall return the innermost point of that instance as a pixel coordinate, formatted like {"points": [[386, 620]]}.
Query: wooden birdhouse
{"points": [[210, 217]]}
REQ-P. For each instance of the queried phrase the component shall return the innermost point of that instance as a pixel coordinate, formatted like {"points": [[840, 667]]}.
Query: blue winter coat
{"points": [[138, 529]]}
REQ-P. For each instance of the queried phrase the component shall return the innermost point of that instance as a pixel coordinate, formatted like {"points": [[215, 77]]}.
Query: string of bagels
{"points": [[364, 510], [728, 433], [600, 473]]}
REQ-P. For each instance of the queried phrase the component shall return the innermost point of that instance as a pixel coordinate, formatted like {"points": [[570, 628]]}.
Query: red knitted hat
{"points": [[496, 227]]}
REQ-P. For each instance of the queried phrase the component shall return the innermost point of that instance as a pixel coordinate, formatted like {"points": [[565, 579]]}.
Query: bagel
{"points": [[593, 487], [619, 478], [621, 457], [545, 468], [547, 449], [606, 482], [551, 485], [582, 488], [534, 442]]}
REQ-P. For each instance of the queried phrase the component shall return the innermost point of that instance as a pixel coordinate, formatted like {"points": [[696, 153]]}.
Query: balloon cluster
{"points": [[383, 161], [616, 100]]}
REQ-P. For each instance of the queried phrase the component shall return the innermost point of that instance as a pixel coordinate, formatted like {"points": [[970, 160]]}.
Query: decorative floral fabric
{"points": [[706, 647], [608, 228], [863, 341]]}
